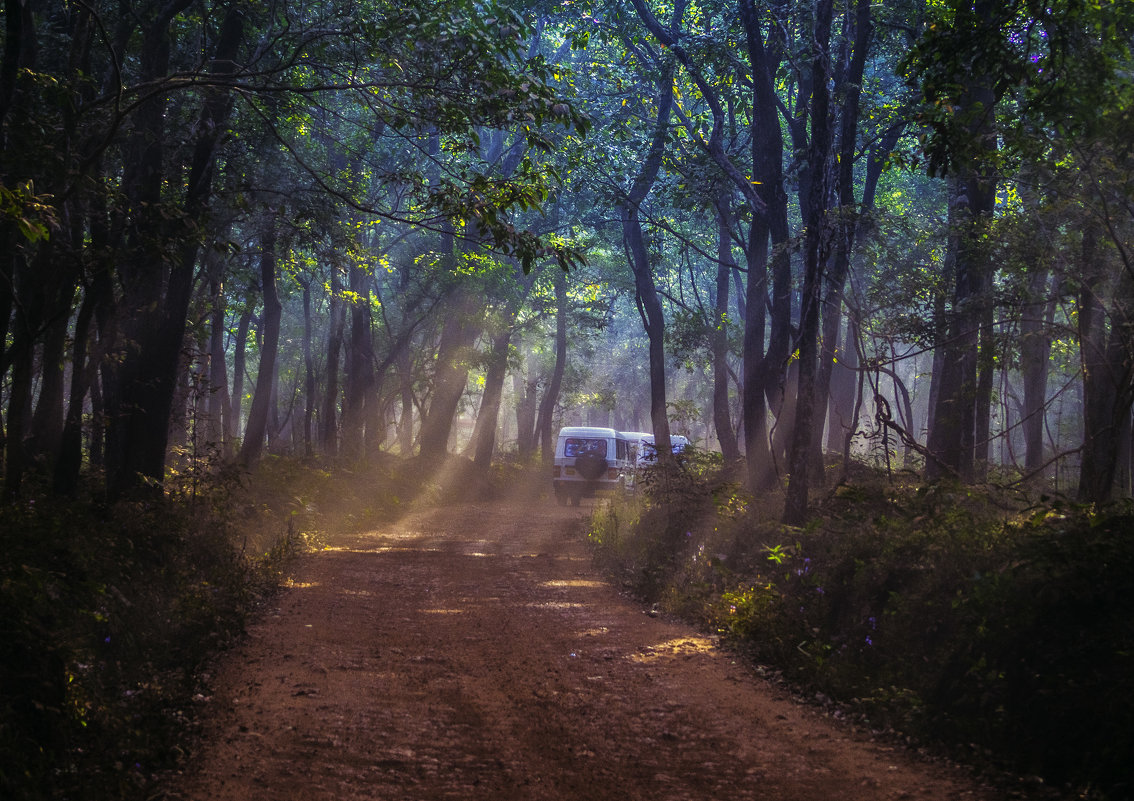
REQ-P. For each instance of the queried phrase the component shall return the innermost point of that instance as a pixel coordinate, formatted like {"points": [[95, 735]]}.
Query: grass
{"points": [[1000, 631]]}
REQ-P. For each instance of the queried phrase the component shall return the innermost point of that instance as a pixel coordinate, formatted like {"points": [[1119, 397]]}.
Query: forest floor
{"points": [[472, 651]]}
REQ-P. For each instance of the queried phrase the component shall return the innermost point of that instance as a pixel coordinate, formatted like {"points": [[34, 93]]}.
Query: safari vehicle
{"points": [[589, 460], [647, 454]]}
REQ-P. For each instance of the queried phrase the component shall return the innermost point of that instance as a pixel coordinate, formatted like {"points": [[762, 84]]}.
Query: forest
{"points": [[814, 237]]}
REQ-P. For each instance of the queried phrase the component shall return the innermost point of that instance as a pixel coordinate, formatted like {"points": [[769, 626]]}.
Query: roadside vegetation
{"points": [[968, 620], [110, 614]]}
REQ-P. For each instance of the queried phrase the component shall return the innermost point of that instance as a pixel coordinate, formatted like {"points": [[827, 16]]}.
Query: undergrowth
{"points": [[1002, 632], [109, 613]]}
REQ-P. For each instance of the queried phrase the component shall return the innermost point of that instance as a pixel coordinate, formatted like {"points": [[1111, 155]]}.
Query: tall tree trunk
{"points": [[488, 418], [7, 264], [47, 422], [19, 411], [525, 389], [276, 434], [84, 363], [157, 304], [840, 416], [795, 504], [952, 438], [330, 417], [309, 400], [982, 413], [764, 369], [450, 378], [360, 367], [240, 368], [219, 404], [1035, 350], [860, 34], [722, 419], [543, 432], [405, 419], [31, 309], [649, 303], [1108, 374], [178, 422], [257, 428]]}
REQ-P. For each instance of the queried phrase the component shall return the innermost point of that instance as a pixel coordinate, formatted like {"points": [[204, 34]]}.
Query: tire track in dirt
{"points": [[473, 652]]}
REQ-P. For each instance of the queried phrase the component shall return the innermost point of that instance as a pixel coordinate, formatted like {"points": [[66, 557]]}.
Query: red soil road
{"points": [[473, 652]]}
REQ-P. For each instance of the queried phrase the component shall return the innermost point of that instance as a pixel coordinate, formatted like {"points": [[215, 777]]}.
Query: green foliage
{"points": [[108, 617], [1004, 636], [32, 214], [110, 614]]}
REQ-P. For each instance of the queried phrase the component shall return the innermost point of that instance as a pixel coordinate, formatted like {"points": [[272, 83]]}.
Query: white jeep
{"points": [[588, 460]]}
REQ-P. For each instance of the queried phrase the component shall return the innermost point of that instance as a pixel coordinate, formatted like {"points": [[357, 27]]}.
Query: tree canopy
{"points": [[785, 230]]}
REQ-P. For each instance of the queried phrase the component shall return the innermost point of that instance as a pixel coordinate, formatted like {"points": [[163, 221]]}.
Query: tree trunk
{"points": [[488, 418], [982, 414], [795, 505], [256, 430], [219, 404], [525, 391], [84, 363], [1035, 350], [952, 438], [240, 368], [543, 433], [47, 422], [1108, 381], [31, 310], [177, 431], [846, 227], [19, 414], [722, 419], [405, 420], [450, 379], [841, 393], [360, 367], [156, 304], [764, 370], [329, 437], [309, 400], [649, 303]]}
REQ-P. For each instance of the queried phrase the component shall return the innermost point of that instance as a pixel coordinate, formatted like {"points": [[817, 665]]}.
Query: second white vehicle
{"points": [[648, 454]]}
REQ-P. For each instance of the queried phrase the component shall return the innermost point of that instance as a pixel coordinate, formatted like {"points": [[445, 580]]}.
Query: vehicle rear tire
{"points": [[590, 466]]}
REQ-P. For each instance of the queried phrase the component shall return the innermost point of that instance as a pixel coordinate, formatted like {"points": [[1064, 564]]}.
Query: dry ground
{"points": [[473, 652]]}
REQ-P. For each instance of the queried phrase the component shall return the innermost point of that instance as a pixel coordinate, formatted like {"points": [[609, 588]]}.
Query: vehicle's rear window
{"points": [[577, 446]]}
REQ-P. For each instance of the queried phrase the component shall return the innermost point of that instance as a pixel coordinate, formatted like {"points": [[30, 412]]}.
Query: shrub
{"points": [[109, 613], [939, 611]]}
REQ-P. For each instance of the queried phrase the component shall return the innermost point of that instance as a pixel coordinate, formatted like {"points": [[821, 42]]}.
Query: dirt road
{"points": [[473, 652]]}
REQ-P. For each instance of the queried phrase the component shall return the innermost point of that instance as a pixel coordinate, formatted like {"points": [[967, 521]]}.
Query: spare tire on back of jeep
{"points": [[591, 466]]}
